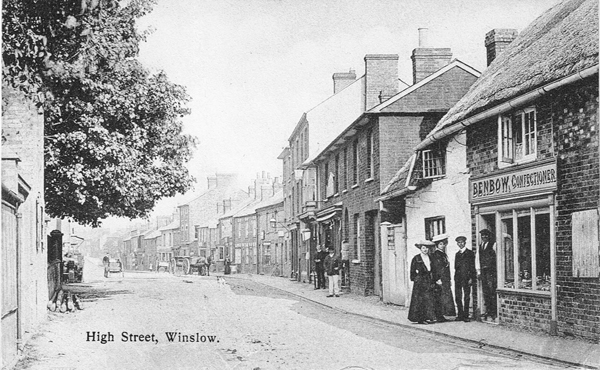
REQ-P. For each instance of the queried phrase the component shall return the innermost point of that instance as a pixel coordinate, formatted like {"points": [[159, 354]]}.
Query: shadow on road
{"points": [[90, 294]]}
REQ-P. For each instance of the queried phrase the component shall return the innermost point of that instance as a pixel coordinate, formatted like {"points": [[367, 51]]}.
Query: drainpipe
{"points": [[18, 217]]}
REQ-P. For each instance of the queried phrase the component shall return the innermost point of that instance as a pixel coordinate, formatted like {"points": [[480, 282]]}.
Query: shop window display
{"points": [[525, 243]]}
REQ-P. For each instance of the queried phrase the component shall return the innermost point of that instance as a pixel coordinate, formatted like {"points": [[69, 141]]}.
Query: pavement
{"points": [[569, 351]]}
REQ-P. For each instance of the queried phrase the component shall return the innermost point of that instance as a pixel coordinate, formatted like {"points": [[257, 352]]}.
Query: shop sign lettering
{"points": [[526, 181]]}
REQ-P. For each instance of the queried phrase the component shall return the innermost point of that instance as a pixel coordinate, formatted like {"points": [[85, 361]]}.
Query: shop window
{"points": [[525, 249], [434, 163], [267, 255], [221, 253], [517, 136], [434, 226]]}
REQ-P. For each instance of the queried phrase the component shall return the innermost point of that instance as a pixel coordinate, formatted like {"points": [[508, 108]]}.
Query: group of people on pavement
{"points": [[327, 262], [431, 299]]}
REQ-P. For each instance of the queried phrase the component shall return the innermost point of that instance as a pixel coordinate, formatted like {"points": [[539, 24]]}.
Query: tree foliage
{"points": [[113, 133]]}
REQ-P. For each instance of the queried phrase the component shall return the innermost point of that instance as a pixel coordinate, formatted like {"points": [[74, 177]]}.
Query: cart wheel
{"points": [[186, 266]]}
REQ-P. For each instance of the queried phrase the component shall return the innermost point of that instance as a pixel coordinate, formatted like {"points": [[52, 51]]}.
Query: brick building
{"points": [[356, 166], [201, 209], [272, 253], [532, 153], [25, 285]]}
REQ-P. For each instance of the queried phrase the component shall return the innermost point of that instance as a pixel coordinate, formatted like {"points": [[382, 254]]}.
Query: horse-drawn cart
{"points": [[186, 265]]}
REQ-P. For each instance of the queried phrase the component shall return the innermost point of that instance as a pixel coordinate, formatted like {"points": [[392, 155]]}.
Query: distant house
{"points": [[525, 138]]}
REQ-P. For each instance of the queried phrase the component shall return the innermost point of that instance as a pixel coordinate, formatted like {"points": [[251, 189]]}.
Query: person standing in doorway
{"points": [[320, 267], [421, 302], [332, 268], [487, 272], [440, 265], [464, 276]]}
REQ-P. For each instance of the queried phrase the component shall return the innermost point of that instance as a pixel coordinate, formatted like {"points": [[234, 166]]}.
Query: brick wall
{"points": [[524, 312], [439, 94], [575, 115], [567, 122]]}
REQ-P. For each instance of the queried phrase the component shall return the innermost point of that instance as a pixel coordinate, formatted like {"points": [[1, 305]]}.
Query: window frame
{"points": [[370, 156], [437, 155], [430, 222], [355, 162], [507, 137]]}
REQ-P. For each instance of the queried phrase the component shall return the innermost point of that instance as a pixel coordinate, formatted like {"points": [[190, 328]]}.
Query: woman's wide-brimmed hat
{"points": [[426, 243], [439, 238]]}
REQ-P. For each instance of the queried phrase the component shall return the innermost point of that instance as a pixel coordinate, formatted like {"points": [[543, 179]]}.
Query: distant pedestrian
{"points": [[421, 302], [487, 272], [105, 263], [443, 300], [320, 267], [209, 261], [227, 266], [464, 277], [332, 268]]}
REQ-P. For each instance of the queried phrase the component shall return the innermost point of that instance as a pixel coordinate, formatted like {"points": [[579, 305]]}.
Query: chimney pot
{"points": [[423, 38], [426, 60]]}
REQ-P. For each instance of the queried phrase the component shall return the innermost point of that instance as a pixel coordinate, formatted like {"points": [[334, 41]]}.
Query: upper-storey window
{"points": [[370, 154], [336, 183], [517, 136], [355, 162], [434, 163]]}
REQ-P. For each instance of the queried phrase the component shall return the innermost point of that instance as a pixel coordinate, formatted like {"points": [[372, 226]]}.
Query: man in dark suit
{"points": [[464, 276], [487, 272], [319, 267]]}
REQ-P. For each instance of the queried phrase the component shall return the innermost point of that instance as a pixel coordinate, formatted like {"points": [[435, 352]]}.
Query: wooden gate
{"points": [[9, 284], [394, 264]]}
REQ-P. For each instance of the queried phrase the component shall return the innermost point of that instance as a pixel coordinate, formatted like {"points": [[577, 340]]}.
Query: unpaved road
{"points": [[252, 327]]}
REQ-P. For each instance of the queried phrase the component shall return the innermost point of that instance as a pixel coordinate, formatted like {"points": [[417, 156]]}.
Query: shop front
{"points": [[517, 205]]}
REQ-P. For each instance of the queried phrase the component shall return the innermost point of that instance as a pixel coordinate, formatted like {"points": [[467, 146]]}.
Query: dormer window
{"points": [[517, 136], [434, 163]]}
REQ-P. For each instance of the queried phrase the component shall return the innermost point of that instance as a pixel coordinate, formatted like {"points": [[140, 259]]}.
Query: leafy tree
{"points": [[113, 133]]}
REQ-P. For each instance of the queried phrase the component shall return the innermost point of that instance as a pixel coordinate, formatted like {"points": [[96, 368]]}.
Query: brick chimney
{"points": [[220, 208], [252, 192], [277, 185], [266, 191], [427, 60], [381, 78], [212, 182], [497, 40], [341, 80]]}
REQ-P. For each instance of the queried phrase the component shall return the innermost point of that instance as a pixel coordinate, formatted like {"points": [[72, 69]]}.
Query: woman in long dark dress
{"points": [[421, 303]]}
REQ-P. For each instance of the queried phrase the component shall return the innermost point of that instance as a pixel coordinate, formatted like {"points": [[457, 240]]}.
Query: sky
{"points": [[253, 67]]}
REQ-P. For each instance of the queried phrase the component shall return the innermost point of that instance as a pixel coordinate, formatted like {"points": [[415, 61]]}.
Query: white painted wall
{"points": [[447, 197]]}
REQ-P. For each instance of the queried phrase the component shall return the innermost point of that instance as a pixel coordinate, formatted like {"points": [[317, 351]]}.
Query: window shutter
{"points": [[586, 253]]}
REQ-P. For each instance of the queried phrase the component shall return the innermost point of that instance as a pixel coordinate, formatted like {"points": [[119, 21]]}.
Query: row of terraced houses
{"points": [[514, 149], [381, 164]]}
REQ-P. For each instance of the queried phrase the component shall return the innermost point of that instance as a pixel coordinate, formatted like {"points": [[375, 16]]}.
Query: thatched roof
{"points": [[559, 43]]}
